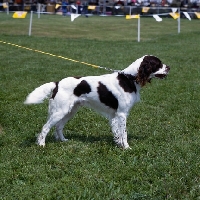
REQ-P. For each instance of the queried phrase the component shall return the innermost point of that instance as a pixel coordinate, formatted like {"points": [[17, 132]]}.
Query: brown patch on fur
{"points": [[149, 65]]}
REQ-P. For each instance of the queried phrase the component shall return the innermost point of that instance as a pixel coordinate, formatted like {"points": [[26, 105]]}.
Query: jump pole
{"points": [[138, 39], [30, 25], [7, 8], [179, 21], [39, 7]]}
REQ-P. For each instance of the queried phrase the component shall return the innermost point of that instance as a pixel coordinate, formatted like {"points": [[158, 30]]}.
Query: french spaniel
{"points": [[112, 95]]}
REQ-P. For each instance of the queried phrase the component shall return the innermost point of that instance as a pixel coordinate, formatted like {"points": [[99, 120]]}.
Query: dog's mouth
{"points": [[160, 76]]}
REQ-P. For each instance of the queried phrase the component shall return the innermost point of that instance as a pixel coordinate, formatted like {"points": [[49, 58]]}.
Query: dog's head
{"points": [[151, 67]]}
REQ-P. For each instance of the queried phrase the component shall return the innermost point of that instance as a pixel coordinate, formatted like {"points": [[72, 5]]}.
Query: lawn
{"points": [[163, 129]]}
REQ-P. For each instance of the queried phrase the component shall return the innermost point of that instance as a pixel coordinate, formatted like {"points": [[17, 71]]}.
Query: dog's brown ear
{"points": [[144, 71], [150, 64]]}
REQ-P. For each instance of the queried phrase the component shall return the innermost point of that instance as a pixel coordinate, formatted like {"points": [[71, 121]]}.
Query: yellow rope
{"points": [[38, 51]]}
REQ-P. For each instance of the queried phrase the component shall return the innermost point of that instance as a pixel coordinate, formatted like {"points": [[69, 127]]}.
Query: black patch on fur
{"points": [[77, 77], [55, 90], [107, 97], [82, 88], [127, 82]]}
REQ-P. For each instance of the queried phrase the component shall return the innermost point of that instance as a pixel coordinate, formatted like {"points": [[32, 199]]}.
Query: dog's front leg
{"points": [[118, 125]]}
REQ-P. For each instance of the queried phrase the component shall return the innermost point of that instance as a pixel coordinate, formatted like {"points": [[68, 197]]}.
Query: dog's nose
{"points": [[167, 68]]}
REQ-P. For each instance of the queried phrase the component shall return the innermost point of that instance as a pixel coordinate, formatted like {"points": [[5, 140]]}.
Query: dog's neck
{"points": [[133, 68]]}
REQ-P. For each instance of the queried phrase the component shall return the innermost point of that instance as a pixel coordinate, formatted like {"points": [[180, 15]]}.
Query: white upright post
{"points": [[39, 8], [179, 21], [30, 25], [7, 8], [138, 28]]}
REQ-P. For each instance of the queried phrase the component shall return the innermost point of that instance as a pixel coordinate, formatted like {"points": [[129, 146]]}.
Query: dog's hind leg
{"points": [[56, 113], [59, 129], [118, 125], [53, 119], [60, 125]]}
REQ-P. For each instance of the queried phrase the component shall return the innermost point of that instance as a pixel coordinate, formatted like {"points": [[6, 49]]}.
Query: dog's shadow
{"points": [[88, 139], [31, 140]]}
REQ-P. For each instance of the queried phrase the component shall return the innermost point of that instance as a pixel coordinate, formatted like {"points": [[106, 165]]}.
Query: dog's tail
{"points": [[39, 94]]}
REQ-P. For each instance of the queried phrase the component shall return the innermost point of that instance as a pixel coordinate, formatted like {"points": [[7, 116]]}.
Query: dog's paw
{"points": [[42, 145], [127, 148], [60, 137], [40, 141], [64, 140], [121, 144]]}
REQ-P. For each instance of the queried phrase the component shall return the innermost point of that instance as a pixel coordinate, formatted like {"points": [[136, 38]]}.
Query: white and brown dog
{"points": [[112, 95]]}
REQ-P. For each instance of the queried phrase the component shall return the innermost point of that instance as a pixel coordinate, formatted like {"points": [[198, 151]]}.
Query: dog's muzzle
{"points": [[161, 76]]}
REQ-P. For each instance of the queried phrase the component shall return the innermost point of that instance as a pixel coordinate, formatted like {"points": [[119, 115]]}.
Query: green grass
{"points": [[163, 129]]}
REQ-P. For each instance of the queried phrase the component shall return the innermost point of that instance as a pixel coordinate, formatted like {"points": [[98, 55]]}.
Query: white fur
{"points": [[65, 104]]}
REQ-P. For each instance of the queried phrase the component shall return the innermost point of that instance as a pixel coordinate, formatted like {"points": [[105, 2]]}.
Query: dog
{"points": [[112, 95]]}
